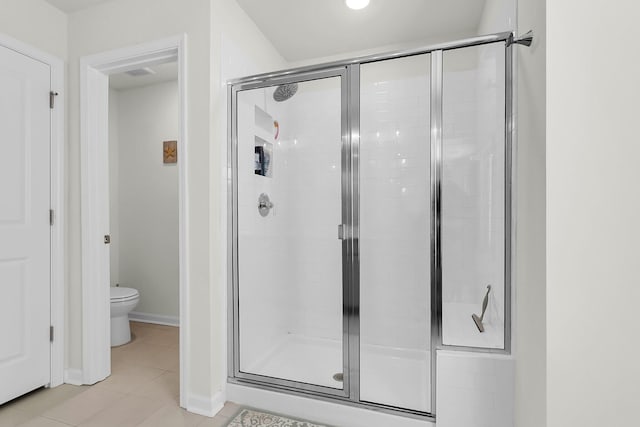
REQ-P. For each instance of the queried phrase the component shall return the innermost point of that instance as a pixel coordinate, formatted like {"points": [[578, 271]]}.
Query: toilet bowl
{"points": [[123, 300]]}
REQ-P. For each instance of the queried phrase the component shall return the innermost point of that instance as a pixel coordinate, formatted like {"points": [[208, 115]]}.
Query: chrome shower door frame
{"points": [[437, 77], [347, 241], [349, 70]]}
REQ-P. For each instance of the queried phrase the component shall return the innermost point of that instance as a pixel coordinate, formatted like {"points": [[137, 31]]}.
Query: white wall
{"points": [[146, 198], [239, 49], [497, 16], [118, 24], [37, 23], [530, 344], [593, 206], [121, 23]]}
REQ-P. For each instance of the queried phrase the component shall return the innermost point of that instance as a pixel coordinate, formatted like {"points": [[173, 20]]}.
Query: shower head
{"points": [[284, 92]]}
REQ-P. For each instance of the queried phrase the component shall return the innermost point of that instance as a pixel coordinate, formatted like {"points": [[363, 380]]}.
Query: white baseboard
{"points": [[203, 405], [158, 319], [73, 376]]}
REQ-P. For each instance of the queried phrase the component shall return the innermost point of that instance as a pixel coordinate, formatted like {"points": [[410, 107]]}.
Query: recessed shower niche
{"points": [[263, 147], [263, 155], [391, 177]]}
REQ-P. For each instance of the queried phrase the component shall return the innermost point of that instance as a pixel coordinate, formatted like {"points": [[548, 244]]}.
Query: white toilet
{"points": [[123, 300]]}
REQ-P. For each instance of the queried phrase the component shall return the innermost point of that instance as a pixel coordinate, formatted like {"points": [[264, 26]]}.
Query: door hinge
{"points": [[52, 98], [50, 216], [51, 333]]}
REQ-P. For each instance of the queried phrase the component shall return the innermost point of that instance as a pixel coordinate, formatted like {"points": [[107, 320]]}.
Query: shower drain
{"points": [[338, 377]]}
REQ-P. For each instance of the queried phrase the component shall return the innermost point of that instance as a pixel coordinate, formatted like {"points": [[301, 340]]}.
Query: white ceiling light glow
{"points": [[357, 4]]}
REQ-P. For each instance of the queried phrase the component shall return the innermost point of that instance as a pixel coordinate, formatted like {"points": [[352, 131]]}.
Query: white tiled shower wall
{"points": [[473, 194], [290, 261], [310, 150], [262, 292], [395, 203], [305, 189], [395, 232]]}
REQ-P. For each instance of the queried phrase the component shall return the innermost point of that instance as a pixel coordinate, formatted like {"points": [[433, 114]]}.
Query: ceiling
{"points": [[305, 29], [164, 73], [70, 6]]}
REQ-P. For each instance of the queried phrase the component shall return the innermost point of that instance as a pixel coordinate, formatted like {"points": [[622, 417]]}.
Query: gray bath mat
{"points": [[254, 418]]}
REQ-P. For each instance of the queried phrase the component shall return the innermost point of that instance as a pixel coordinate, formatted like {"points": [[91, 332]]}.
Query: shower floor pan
{"points": [[389, 376]]}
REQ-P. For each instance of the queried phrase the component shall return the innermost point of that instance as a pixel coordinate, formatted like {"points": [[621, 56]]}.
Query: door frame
{"points": [[57, 196], [347, 247], [94, 140]]}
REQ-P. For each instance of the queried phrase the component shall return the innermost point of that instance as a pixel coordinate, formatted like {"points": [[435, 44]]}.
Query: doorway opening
{"points": [[133, 156], [143, 221]]}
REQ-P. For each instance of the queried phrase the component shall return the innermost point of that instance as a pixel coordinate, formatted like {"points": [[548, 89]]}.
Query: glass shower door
{"points": [[475, 203], [395, 238], [290, 140]]}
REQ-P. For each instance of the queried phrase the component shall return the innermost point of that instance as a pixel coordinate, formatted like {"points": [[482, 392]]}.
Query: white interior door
{"points": [[24, 224]]}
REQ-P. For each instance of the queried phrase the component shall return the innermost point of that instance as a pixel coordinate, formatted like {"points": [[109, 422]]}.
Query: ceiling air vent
{"points": [[140, 72]]}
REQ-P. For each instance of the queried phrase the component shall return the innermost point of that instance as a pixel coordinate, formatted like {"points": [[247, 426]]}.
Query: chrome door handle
{"points": [[264, 204]]}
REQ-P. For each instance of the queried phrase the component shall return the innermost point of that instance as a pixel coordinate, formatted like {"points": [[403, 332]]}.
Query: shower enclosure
{"points": [[370, 209]]}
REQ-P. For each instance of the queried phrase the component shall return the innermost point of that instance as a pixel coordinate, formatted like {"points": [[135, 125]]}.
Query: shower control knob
{"points": [[264, 204]]}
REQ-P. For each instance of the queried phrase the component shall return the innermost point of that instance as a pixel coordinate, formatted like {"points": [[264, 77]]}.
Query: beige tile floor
{"points": [[143, 390]]}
